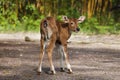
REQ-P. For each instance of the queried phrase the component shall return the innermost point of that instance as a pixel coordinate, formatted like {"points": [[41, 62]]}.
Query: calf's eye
{"points": [[72, 24]]}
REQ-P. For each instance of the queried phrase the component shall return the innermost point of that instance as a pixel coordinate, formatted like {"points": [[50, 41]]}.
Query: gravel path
{"points": [[91, 57]]}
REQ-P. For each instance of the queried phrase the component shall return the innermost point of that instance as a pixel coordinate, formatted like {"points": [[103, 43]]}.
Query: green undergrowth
{"points": [[28, 24]]}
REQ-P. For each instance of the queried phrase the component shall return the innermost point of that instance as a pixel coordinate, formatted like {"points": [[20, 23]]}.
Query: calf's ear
{"points": [[81, 19], [65, 19]]}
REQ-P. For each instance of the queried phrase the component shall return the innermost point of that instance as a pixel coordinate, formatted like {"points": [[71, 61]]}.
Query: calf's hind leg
{"points": [[50, 48], [42, 49]]}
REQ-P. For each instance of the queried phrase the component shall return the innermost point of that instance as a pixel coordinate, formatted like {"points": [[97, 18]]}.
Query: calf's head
{"points": [[73, 23]]}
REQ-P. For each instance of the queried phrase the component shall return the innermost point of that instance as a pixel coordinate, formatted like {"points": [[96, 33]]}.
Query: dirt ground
{"points": [[91, 57]]}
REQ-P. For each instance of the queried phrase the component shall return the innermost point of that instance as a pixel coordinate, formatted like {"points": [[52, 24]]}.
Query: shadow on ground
{"points": [[19, 61]]}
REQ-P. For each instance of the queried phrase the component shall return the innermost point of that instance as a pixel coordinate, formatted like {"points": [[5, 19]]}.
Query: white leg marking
{"points": [[40, 68], [40, 65], [60, 51], [62, 56], [53, 69], [67, 63]]}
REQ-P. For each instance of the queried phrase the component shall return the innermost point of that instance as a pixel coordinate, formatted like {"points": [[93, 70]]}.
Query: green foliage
{"points": [[89, 26], [25, 15], [117, 27], [9, 21], [29, 24], [92, 26], [12, 24]]}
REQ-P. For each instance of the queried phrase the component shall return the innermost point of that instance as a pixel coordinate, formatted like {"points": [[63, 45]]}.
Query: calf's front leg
{"points": [[60, 51], [67, 58]]}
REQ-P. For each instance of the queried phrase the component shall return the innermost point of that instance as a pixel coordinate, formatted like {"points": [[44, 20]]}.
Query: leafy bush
{"points": [[117, 27], [30, 25], [89, 26], [12, 24], [25, 15], [92, 26]]}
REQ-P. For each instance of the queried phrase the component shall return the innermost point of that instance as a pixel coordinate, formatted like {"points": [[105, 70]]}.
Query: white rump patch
{"points": [[49, 32]]}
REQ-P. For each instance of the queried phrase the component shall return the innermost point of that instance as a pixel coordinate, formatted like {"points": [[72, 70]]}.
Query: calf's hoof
{"points": [[62, 70], [38, 73], [69, 71], [51, 72]]}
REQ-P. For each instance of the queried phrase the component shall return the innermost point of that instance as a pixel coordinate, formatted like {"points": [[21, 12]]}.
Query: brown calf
{"points": [[56, 33]]}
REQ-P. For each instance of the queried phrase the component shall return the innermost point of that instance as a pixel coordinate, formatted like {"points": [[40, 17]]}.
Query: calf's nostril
{"points": [[78, 29]]}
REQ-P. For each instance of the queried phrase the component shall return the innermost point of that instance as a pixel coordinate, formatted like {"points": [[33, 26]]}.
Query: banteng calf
{"points": [[56, 33]]}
